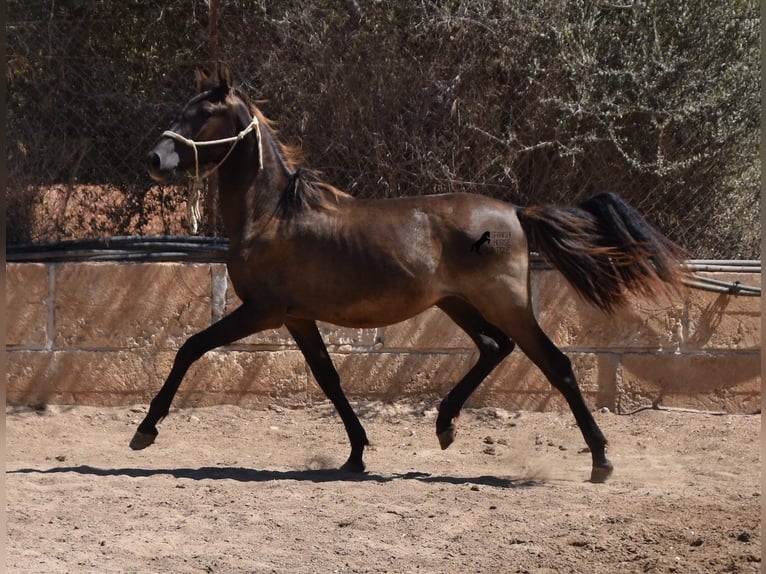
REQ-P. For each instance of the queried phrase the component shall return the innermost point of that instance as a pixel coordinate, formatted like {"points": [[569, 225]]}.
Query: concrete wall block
{"points": [[36, 376], [268, 339], [574, 324], [391, 376], [721, 321], [29, 376], [541, 401], [26, 305], [107, 334], [431, 330], [595, 374], [345, 339], [107, 306], [731, 381], [271, 374]]}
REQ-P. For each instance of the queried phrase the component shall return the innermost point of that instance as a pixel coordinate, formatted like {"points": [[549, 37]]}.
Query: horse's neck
{"points": [[249, 196]]}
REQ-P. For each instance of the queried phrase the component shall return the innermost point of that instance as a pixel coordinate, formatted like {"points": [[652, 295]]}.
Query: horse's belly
{"points": [[366, 310], [369, 318]]}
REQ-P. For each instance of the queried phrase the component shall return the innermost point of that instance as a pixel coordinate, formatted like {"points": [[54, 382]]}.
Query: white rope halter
{"points": [[192, 203]]}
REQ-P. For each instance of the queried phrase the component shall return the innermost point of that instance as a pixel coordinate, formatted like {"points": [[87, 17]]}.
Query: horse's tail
{"points": [[606, 250]]}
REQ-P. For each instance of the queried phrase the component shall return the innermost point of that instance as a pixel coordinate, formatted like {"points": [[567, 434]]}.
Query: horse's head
{"points": [[205, 130]]}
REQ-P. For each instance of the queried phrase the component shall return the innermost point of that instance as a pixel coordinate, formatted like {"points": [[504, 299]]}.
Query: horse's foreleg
{"points": [[493, 345], [240, 323], [312, 346]]}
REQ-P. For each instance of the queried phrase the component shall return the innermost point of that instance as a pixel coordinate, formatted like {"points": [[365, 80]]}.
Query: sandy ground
{"points": [[229, 490]]}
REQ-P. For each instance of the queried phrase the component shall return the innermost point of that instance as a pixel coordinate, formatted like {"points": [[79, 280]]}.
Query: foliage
{"points": [[532, 101]]}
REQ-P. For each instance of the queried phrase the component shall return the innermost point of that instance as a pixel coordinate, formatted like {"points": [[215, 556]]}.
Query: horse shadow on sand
{"points": [[242, 474]]}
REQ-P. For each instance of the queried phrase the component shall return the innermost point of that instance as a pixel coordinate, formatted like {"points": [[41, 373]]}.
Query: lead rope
{"points": [[195, 192]]}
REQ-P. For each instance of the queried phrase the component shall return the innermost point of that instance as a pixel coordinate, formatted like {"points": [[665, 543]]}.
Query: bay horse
{"points": [[303, 251]]}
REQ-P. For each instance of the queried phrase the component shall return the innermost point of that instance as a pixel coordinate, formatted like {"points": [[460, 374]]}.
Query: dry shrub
{"points": [[532, 101]]}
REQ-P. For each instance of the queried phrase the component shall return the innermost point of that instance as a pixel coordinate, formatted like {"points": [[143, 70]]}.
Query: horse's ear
{"points": [[201, 78], [220, 78], [225, 76]]}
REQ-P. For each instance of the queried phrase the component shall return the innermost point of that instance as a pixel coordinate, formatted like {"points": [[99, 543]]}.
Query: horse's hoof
{"points": [[142, 439], [447, 436], [600, 474], [353, 466]]}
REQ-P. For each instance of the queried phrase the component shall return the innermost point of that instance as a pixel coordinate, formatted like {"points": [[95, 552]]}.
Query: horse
{"points": [[302, 251]]}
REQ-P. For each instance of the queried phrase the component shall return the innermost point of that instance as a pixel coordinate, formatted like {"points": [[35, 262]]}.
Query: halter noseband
{"points": [[232, 140], [193, 201]]}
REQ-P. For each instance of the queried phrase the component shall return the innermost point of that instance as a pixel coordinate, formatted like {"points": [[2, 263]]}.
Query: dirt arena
{"points": [[228, 490]]}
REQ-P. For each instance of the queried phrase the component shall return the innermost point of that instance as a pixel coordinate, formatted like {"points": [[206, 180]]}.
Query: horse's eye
{"points": [[206, 111]]}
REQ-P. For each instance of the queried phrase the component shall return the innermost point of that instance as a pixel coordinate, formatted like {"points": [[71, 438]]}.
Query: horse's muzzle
{"points": [[162, 161], [160, 170], [153, 164]]}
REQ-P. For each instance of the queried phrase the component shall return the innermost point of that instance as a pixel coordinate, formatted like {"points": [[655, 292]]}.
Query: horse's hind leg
{"points": [[556, 366], [493, 345], [242, 322], [312, 346]]}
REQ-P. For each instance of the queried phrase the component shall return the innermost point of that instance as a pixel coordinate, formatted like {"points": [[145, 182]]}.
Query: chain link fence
{"points": [[530, 101]]}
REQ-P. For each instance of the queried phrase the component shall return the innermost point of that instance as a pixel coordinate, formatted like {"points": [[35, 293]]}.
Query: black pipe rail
{"points": [[191, 249]]}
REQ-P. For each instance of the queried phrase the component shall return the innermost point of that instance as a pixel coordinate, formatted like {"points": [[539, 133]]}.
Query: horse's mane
{"points": [[306, 189]]}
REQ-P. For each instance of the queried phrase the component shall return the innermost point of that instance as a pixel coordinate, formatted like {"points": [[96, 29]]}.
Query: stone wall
{"points": [[106, 334]]}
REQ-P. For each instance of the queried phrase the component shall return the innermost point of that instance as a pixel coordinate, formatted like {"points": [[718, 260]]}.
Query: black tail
{"points": [[606, 250]]}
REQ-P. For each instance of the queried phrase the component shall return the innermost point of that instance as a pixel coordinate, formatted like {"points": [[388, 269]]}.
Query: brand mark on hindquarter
{"points": [[492, 242]]}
